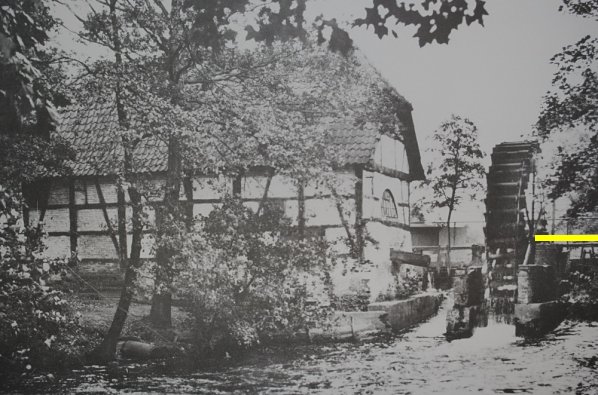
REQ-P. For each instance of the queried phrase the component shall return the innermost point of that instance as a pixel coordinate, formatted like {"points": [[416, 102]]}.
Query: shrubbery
{"points": [[583, 296], [36, 327], [245, 277]]}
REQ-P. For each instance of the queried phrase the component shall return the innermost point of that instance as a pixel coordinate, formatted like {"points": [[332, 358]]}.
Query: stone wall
{"points": [[536, 284]]}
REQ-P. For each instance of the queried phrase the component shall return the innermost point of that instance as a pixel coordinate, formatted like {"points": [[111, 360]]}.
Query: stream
{"points": [[418, 361]]}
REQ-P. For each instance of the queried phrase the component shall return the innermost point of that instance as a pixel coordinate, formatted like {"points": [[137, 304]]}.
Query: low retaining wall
{"points": [[401, 314], [381, 317]]}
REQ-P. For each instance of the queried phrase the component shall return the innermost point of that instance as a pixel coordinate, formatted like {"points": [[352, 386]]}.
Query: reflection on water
{"points": [[420, 361]]}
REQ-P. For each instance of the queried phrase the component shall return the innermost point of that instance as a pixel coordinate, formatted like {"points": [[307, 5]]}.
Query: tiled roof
{"points": [[356, 145], [92, 131]]}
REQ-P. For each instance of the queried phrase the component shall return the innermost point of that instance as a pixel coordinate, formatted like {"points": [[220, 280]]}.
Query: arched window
{"points": [[389, 208]]}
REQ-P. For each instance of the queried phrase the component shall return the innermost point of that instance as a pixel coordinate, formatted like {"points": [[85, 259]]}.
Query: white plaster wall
{"points": [[88, 186], [95, 247], [210, 187], [253, 187], [93, 219], [388, 237], [324, 212], [57, 220], [58, 247], [147, 246], [391, 153], [204, 209]]}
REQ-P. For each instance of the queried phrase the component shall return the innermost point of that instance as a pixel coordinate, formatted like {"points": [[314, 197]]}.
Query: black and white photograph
{"points": [[299, 197]]}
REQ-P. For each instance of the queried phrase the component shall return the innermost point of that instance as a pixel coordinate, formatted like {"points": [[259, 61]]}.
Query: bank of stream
{"points": [[417, 361]]}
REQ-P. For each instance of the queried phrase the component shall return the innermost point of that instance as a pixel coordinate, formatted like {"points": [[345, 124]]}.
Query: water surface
{"points": [[419, 361]]}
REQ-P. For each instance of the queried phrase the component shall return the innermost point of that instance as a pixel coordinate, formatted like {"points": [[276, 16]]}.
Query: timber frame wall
{"points": [[90, 216]]}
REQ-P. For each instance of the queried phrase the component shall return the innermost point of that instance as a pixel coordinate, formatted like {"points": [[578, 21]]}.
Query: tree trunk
{"points": [[451, 208], [168, 217], [106, 351]]}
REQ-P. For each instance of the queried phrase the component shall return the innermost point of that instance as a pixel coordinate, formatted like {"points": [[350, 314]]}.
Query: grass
{"points": [[97, 315]]}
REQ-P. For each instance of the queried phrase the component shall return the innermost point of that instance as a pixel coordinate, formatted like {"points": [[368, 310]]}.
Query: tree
{"points": [[457, 170], [570, 108], [36, 325], [28, 68]]}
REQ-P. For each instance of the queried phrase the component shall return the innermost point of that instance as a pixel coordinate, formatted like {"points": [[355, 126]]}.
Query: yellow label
{"points": [[566, 238]]}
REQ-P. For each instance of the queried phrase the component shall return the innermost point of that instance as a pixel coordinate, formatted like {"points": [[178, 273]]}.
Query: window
{"points": [[389, 209]]}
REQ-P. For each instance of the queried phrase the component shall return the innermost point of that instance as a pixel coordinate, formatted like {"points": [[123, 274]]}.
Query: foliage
{"points": [[26, 158], [36, 326], [357, 299], [583, 295], [245, 277], [459, 168], [435, 20], [25, 84], [403, 287], [570, 108]]}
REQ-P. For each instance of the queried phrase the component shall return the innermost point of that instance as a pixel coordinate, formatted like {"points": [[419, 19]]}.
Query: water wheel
{"points": [[506, 235]]}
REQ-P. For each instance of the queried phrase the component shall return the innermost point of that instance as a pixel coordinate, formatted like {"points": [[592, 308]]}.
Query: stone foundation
{"points": [[537, 319]]}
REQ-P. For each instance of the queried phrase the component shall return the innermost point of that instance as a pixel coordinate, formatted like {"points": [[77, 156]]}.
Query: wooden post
{"points": [[72, 217], [238, 185], [122, 225], [359, 240], [188, 190], [42, 211], [301, 208]]}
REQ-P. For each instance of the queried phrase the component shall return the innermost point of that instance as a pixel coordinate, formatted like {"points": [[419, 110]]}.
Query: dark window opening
{"points": [[389, 208]]}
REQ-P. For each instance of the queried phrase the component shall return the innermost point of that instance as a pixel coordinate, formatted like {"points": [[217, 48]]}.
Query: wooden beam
{"points": [[238, 185], [387, 222], [72, 217], [301, 207], [188, 190], [44, 207], [107, 218], [401, 257], [387, 171]]}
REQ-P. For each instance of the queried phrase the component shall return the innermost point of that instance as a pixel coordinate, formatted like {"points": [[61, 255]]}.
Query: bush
{"points": [[36, 327], [403, 287], [357, 299], [583, 296], [245, 277]]}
